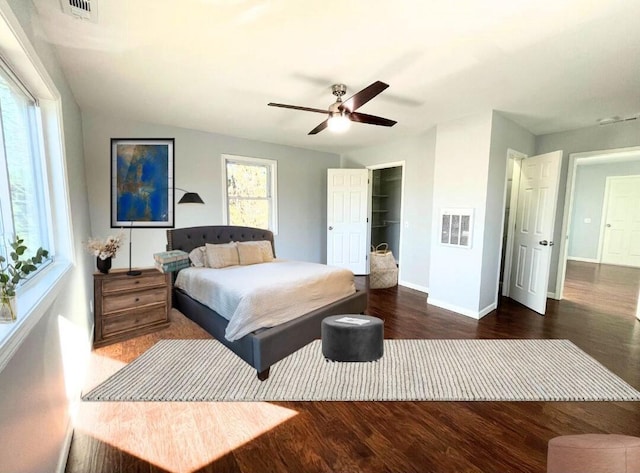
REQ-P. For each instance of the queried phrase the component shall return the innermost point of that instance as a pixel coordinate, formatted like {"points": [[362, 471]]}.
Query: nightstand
{"points": [[128, 306]]}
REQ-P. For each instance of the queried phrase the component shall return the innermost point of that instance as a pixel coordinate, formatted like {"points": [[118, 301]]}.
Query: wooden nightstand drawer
{"points": [[133, 320], [127, 300], [128, 306], [129, 283]]}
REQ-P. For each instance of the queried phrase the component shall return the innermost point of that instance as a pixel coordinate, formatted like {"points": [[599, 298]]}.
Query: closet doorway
{"points": [[386, 206]]}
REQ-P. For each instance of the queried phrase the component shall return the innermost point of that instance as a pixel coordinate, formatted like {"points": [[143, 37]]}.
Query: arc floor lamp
{"points": [[187, 198]]}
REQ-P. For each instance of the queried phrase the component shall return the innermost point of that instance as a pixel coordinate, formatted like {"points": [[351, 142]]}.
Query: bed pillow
{"points": [[249, 253], [223, 255], [198, 257], [265, 248]]}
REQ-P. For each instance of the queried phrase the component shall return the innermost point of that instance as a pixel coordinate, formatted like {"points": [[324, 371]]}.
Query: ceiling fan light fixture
{"points": [[341, 114], [339, 123]]}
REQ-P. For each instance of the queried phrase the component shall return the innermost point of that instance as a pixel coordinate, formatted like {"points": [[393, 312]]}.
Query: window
{"points": [[22, 179], [250, 192], [32, 166]]}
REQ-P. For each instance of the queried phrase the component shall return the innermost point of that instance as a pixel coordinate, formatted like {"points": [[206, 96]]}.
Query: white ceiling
{"points": [[213, 65]]}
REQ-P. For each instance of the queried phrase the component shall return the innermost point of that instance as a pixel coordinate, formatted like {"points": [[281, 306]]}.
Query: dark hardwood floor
{"points": [[377, 436]]}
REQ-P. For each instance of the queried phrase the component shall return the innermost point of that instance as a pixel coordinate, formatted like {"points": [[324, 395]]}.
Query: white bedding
{"points": [[267, 294]]}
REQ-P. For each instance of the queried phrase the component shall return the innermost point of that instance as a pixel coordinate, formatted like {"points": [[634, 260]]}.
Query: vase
{"points": [[8, 310], [104, 265]]}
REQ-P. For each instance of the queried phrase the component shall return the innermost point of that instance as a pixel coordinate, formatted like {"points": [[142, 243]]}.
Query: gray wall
{"points": [[588, 199], [418, 153], [619, 135], [302, 179], [34, 410]]}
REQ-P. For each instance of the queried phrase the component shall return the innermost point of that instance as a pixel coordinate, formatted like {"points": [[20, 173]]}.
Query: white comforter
{"points": [[266, 294]]}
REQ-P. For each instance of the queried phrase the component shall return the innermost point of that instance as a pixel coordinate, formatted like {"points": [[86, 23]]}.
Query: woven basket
{"points": [[384, 271]]}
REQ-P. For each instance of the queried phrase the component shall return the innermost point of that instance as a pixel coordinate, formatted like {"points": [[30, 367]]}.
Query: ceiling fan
{"points": [[341, 114]]}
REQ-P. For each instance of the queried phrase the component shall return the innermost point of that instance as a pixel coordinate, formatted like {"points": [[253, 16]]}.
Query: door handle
{"points": [[330, 228], [544, 243]]}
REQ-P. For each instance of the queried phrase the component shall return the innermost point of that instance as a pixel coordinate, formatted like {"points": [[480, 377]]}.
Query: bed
{"points": [[263, 347]]}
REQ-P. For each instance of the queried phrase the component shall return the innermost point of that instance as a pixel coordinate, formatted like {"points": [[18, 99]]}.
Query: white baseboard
{"points": [[66, 446], [490, 308], [583, 260], [417, 287], [461, 310], [91, 334], [552, 295]]}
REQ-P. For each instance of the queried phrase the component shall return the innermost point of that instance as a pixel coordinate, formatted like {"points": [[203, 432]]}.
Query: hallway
{"points": [[602, 287]]}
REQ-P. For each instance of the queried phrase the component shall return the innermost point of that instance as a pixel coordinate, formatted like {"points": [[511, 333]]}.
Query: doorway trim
{"points": [[575, 160], [517, 157], [393, 164]]}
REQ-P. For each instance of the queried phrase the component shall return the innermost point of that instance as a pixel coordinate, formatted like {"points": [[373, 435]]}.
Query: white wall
{"points": [[588, 200], [470, 173], [418, 153], [34, 411], [619, 135], [460, 181], [198, 168]]}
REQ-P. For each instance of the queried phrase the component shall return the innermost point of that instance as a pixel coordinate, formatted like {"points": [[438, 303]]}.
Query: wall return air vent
{"points": [[81, 9]]}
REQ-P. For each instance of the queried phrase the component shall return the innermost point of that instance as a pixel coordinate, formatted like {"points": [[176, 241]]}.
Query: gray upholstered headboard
{"points": [[186, 239]]}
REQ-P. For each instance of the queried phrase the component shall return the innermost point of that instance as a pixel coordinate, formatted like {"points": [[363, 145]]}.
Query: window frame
{"points": [[272, 199], [37, 295]]}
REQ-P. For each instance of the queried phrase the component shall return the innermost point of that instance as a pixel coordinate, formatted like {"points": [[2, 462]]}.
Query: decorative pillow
{"points": [[249, 254], [223, 255], [198, 257]]}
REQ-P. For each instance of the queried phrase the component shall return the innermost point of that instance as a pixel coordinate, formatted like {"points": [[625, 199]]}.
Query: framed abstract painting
{"points": [[142, 184]]}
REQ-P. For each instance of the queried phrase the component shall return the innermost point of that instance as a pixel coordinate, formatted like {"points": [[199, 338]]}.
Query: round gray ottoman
{"points": [[345, 341]]}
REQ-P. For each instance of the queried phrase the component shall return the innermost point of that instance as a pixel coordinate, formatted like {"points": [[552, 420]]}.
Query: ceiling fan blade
{"points": [[320, 127], [370, 119], [358, 100], [295, 107]]}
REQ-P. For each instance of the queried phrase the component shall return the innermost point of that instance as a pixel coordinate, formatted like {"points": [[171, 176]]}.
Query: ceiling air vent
{"points": [[616, 119], [82, 9]]}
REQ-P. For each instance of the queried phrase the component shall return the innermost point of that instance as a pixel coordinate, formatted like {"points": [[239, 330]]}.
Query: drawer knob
{"points": [[137, 299]]}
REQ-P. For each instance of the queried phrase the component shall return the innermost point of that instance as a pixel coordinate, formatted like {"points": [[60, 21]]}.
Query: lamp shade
{"points": [[339, 123], [190, 198]]}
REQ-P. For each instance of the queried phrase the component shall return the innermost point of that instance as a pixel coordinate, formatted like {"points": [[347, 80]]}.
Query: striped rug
{"points": [[410, 370]]}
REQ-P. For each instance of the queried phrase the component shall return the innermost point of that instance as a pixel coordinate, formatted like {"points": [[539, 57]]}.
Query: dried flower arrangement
{"points": [[106, 248]]}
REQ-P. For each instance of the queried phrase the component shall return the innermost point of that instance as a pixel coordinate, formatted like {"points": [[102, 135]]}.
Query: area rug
{"points": [[410, 370]]}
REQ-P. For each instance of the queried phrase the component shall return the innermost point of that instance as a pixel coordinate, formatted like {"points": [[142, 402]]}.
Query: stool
{"points": [[344, 341], [594, 453]]}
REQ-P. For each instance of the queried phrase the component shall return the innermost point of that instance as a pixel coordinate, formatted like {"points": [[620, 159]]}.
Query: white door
{"points": [[347, 212], [621, 242], [535, 217]]}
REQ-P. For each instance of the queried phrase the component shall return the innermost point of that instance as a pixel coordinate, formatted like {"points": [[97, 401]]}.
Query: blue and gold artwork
{"points": [[143, 183]]}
